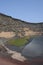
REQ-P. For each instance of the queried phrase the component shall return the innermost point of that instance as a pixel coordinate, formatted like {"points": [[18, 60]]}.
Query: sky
{"points": [[27, 10]]}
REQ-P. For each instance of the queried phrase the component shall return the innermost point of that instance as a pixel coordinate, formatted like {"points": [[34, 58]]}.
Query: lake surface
{"points": [[14, 48], [34, 48]]}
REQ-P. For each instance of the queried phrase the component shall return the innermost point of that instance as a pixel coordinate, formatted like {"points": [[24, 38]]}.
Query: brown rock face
{"points": [[19, 27]]}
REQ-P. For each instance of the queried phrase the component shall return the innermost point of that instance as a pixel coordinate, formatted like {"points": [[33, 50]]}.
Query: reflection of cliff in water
{"points": [[14, 48]]}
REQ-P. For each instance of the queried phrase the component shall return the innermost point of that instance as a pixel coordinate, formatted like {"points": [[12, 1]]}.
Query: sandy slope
{"points": [[7, 34]]}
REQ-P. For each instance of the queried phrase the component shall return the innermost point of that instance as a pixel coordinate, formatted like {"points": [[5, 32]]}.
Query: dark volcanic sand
{"points": [[10, 61]]}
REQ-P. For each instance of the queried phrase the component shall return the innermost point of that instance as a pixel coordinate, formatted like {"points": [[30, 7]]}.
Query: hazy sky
{"points": [[27, 10]]}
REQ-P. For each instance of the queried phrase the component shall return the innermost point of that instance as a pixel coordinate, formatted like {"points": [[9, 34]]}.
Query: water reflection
{"points": [[35, 48]]}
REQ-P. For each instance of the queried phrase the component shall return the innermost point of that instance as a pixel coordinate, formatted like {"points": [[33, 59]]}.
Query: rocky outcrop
{"points": [[18, 27]]}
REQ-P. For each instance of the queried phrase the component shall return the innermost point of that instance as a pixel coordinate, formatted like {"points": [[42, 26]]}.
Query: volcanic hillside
{"points": [[11, 27]]}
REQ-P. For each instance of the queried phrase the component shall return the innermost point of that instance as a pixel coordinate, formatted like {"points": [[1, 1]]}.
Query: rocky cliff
{"points": [[11, 27]]}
